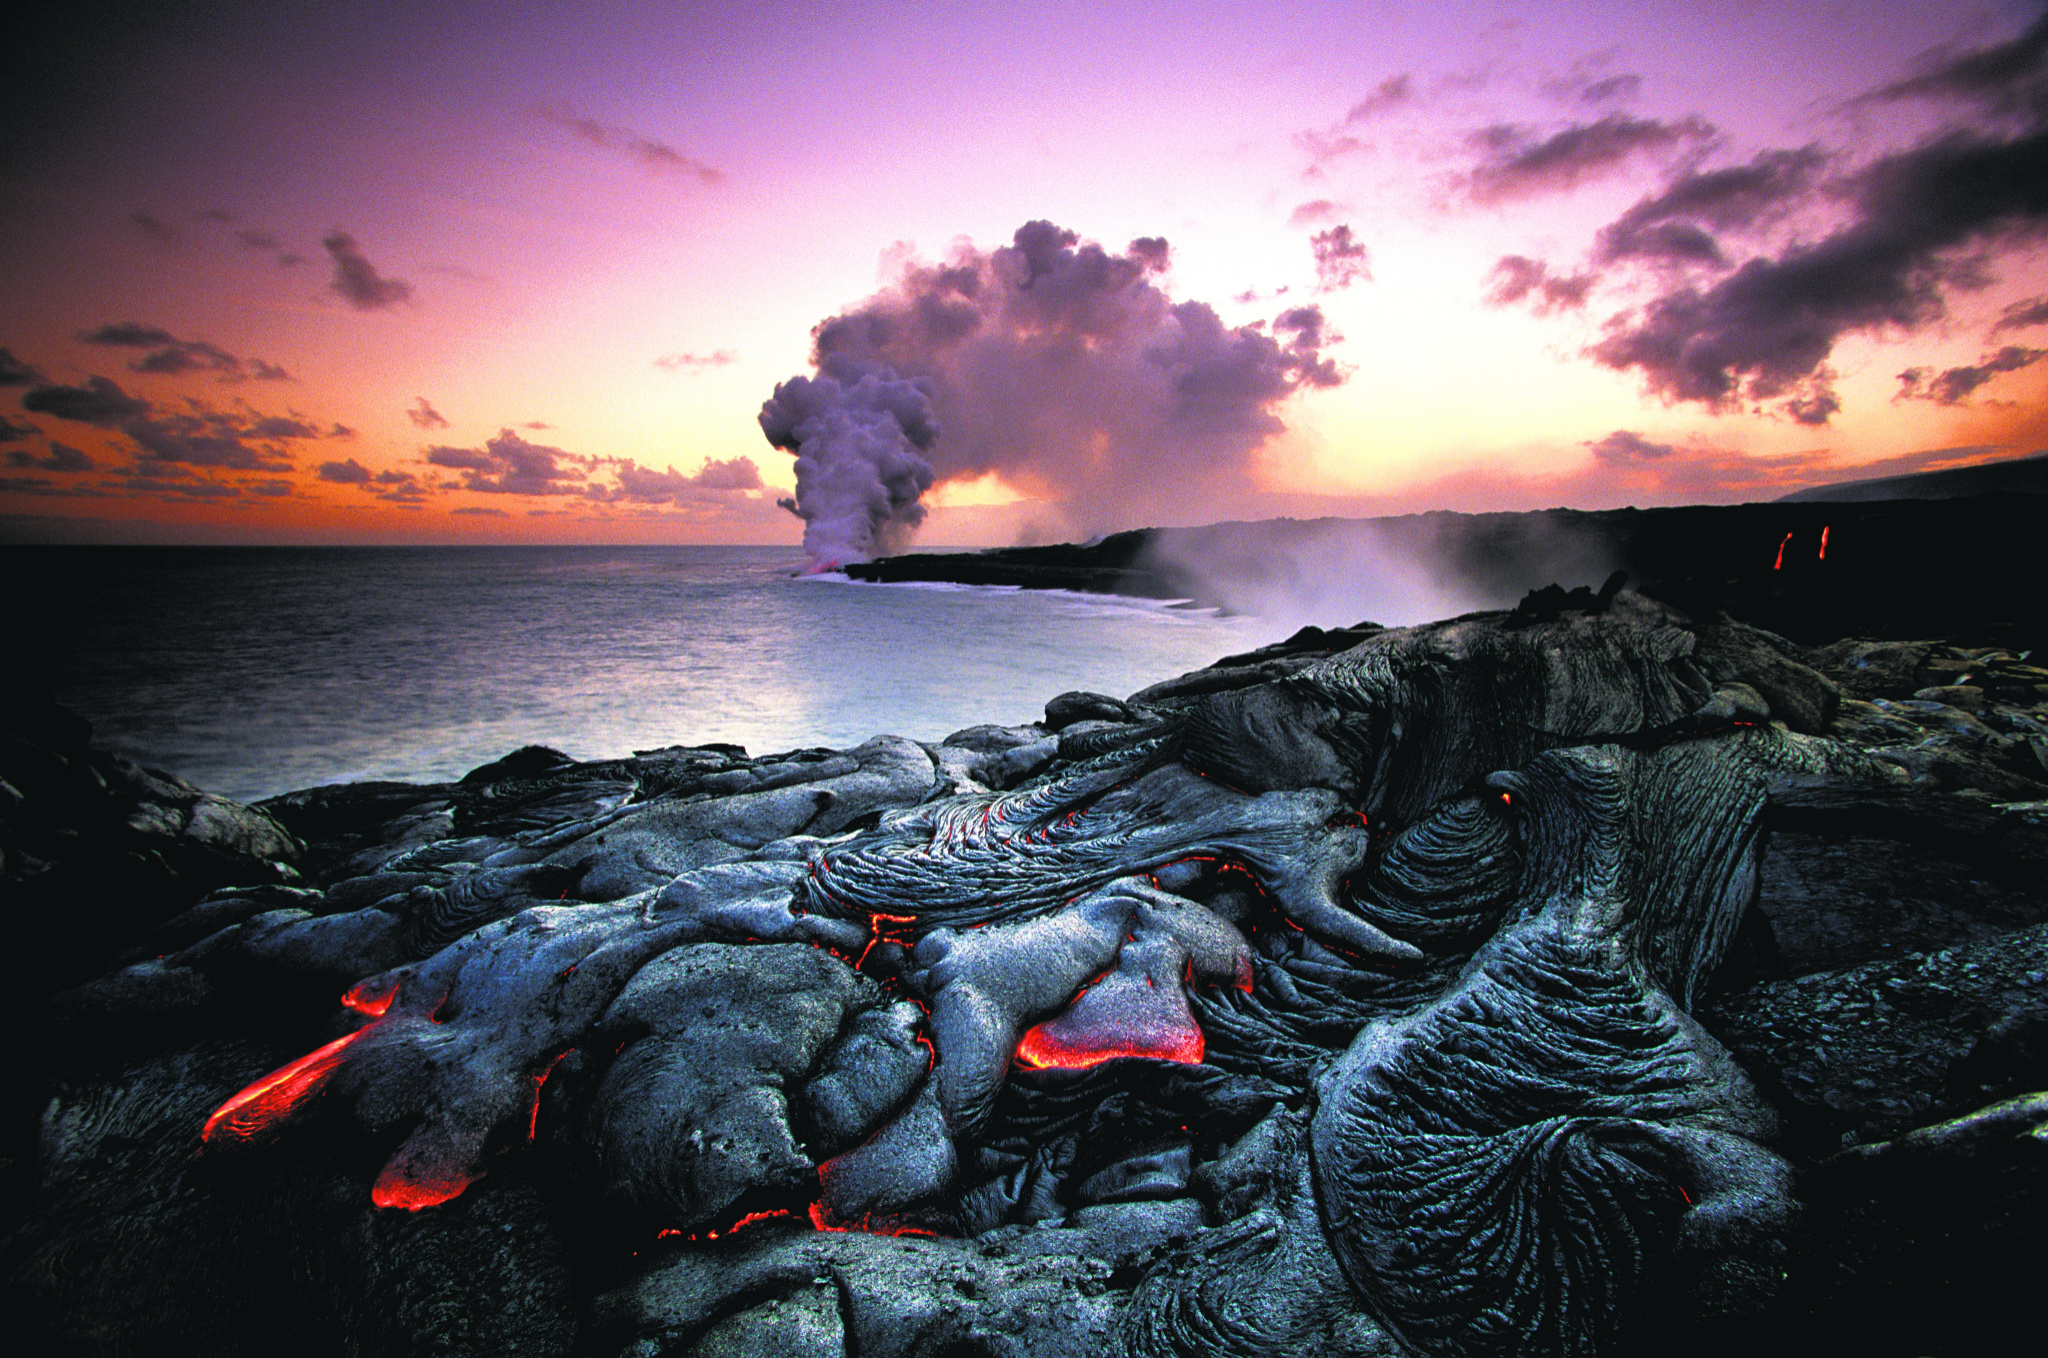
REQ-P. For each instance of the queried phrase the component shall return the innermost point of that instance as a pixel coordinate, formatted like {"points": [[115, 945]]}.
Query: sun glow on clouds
{"points": [[611, 237]]}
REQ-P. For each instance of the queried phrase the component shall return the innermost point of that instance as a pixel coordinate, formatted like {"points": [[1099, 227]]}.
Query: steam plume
{"points": [[1052, 362], [857, 431]]}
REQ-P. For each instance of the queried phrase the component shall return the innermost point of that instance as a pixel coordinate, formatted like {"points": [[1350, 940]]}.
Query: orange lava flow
{"points": [[274, 1097], [1823, 542], [1779, 564], [395, 1188], [367, 996], [1041, 1050]]}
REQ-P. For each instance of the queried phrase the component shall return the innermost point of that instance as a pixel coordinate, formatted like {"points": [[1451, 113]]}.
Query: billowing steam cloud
{"points": [[1059, 366], [857, 431]]}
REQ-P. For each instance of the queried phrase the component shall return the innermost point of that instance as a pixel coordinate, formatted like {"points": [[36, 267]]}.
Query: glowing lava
{"points": [[372, 996], [1779, 564], [1126, 1013], [276, 1096], [396, 1187]]}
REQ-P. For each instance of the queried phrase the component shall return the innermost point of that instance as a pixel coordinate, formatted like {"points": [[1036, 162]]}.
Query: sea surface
{"points": [[255, 671]]}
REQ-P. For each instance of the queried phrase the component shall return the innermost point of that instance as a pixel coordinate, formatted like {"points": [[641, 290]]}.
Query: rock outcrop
{"points": [[1586, 978]]}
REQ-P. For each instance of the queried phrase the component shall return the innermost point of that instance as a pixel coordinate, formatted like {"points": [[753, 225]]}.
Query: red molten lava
{"points": [[1125, 1013], [277, 1095], [396, 1188], [372, 995], [1779, 564], [1823, 542], [867, 1225]]}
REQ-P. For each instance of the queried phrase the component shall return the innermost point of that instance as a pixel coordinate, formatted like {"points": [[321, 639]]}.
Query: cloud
{"points": [[265, 243], [1764, 331], [1614, 87], [170, 356], [1516, 167], [275, 489], [481, 511], [714, 479], [509, 465], [100, 401], [15, 373], [1340, 260], [1518, 278], [10, 432], [2004, 77], [2019, 316], [1624, 447], [1313, 211], [155, 229], [536, 424], [1066, 370], [341, 431], [718, 358], [1389, 94], [424, 416], [356, 280], [345, 473], [1950, 386], [60, 458], [1671, 226], [128, 334], [655, 155], [202, 437]]}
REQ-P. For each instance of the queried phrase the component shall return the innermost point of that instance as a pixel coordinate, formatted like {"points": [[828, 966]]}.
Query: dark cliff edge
{"points": [[1969, 567]]}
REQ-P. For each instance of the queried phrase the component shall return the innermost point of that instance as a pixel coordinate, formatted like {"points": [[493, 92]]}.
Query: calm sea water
{"points": [[254, 671]]}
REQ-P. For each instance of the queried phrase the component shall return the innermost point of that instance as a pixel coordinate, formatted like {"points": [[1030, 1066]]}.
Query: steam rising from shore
{"points": [[1064, 369]]}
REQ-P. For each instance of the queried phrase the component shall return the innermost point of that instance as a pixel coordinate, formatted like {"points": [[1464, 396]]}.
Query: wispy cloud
{"points": [[656, 155], [356, 280]]}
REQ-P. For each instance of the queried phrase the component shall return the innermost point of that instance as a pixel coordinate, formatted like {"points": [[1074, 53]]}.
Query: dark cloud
{"points": [[184, 489], [1340, 260], [15, 373], [1764, 331], [655, 155], [424, 416], [128, 335], [1390, 93], [481, 511], [1518, 278], [1951, 385], [644, 485], [275, 489], [171, 356], [718, 358], [60, 458], [155, 229], [201, 437], [2019, 316], [1153, 252], [356, 280], [2006, 77], [264, 243], [1068, 371], [1516, 167], [1671, 226], [345, 473], [1614, 87], [10, 432], [100, 401], [509, 465], [341, 431], [1624, 447]]}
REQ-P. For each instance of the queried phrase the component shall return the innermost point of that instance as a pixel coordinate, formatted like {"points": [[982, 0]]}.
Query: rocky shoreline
{"points": [[1966, 567], [886, 1049]]}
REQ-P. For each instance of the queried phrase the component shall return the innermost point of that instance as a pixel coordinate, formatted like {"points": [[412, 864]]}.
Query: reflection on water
{"points": [[253, 671]]}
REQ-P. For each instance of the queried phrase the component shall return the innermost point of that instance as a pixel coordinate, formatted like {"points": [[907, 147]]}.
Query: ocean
{"points": [[256, 671]]}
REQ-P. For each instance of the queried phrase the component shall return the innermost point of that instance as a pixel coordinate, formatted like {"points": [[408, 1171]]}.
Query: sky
{"points": [[509, 272]]}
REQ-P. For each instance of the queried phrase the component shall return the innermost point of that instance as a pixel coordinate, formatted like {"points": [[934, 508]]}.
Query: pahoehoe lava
{"points": [[1588, 978]]}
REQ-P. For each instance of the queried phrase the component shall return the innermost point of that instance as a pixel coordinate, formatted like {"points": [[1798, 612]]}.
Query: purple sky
{"points": [[441, 272]]}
